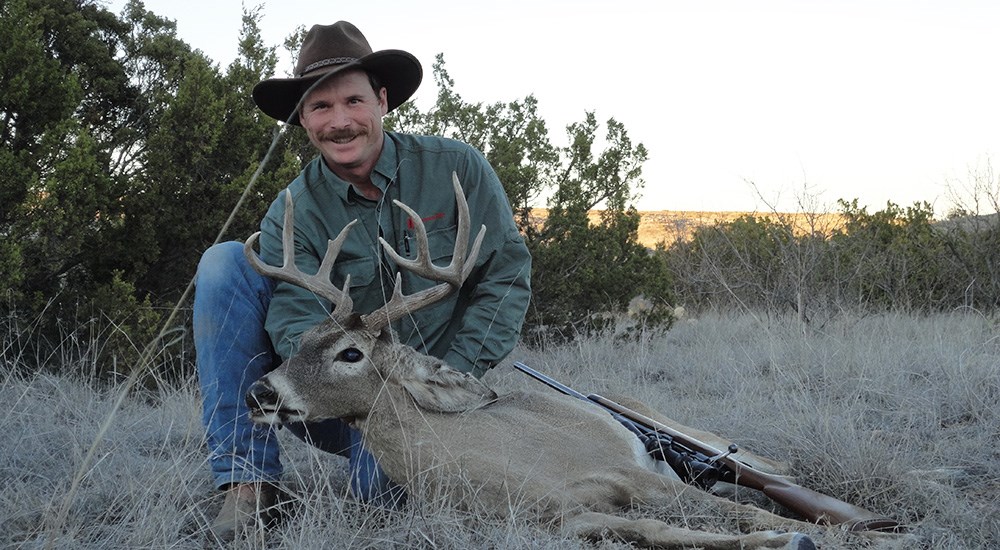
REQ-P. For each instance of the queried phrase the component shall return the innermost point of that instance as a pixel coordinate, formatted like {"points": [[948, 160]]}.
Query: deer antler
{"points": [[319, 283], [452, 276]]}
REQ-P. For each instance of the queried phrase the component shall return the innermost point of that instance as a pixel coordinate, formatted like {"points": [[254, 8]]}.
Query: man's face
{"points": [[343, 118]]}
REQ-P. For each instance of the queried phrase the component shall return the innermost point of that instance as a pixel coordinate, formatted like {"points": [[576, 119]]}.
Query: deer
{"points": [[434, 428]]}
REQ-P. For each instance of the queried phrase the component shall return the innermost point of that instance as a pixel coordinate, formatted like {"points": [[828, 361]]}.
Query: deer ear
{"points": [[440, 388]]}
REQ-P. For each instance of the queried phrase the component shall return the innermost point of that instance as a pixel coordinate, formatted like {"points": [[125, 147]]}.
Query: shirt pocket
{"points": [[441, 247], [360, 270], [441, 243]]}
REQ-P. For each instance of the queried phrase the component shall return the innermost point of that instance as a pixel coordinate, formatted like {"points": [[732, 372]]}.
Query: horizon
{"points": [[742, 108]]}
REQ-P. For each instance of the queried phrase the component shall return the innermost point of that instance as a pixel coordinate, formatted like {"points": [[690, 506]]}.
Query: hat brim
{"points": [[398, 71]]}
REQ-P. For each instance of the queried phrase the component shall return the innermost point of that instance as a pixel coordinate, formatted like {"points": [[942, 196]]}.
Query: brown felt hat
{"points": [[328, 49]]}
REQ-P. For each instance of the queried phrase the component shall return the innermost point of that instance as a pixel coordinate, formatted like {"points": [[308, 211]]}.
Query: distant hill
{"points": [[670, 225]]}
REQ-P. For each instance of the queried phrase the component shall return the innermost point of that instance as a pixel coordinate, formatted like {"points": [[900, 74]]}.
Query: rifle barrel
{"points": [[551, 382]]}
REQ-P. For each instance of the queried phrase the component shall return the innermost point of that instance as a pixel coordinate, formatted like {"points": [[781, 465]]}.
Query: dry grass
{"points": [[897, 414]]}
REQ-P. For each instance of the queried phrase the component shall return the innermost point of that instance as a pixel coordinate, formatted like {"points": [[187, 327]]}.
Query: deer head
{"points": [[344, 363]]}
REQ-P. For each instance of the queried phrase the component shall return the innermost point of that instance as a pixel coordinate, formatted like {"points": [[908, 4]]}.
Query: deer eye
{"points": [[351, 355]]}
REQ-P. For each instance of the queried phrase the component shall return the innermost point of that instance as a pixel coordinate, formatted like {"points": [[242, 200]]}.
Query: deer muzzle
{"points": [[267, 406]]}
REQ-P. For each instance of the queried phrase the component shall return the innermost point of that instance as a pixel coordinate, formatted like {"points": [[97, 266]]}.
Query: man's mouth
{"points": [[341, 138]]}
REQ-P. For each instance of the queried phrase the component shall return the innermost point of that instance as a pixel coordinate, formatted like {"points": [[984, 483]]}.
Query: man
{"points": [[246, 324]]}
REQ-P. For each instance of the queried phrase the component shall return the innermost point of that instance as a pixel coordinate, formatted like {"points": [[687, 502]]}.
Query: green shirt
{"points": [[472, 329]]}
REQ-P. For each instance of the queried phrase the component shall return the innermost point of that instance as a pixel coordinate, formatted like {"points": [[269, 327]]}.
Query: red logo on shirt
{"points": [[411, 225]]}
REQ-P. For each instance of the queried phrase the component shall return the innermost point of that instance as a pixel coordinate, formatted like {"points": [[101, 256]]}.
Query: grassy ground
{"points": [[896, 414]]}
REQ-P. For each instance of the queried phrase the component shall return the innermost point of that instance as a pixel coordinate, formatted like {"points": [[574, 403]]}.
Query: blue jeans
{"points": [[233, 350]]}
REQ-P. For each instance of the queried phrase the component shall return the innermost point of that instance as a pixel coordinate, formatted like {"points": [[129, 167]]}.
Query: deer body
{"points": [[507, 462], [433, 428]]}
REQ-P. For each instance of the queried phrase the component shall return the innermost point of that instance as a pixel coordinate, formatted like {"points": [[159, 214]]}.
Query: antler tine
{"points": [[452, 276], [458, 270], [400, 304], [319, 283]]}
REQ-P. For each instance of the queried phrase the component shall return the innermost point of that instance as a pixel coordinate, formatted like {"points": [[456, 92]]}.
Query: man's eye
{"points": [[351, 355]]}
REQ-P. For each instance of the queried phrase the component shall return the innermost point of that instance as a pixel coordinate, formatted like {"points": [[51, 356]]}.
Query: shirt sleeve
{"points": [[499, 289]]}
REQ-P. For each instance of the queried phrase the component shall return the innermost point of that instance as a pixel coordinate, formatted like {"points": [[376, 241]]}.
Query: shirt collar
{"points": [[387, 164]]}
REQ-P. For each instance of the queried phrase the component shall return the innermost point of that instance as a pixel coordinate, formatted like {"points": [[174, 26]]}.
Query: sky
{"points": [[743, 106]]}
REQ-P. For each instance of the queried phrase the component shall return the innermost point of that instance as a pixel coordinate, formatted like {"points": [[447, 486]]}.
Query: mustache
{"points": [[331, 135]]}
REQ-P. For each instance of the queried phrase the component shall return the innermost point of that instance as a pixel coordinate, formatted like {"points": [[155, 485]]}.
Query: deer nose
{"points": [[260, 394]]}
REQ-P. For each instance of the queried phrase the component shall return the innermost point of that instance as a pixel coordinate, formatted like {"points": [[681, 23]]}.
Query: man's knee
{"points": [[220, 263]]}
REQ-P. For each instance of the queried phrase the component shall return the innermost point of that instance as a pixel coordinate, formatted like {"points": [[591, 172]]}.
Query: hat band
{"points": [[327, 62]]}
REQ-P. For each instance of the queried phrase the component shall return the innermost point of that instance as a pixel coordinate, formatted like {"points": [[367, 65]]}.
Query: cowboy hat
{"points": [[328, 49]]}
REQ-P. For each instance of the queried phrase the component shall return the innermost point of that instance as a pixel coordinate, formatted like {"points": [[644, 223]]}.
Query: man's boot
{"points": [[249, 506]]}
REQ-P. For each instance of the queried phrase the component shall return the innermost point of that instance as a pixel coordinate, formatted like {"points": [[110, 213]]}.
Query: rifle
{"points": [[702, 465]]}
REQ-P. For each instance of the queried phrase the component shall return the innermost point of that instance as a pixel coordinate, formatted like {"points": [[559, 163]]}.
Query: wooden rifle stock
{"points": [[809, 504]]}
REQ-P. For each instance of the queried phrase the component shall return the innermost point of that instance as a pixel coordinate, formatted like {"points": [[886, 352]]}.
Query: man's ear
{"points": [[383, 101]]}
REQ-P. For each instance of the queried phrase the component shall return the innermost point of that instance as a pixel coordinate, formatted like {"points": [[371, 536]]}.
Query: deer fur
{"points": [[433, 428]]}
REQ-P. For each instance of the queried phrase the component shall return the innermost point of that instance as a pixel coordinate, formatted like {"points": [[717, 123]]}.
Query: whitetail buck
{"points": [[434, 428]]}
